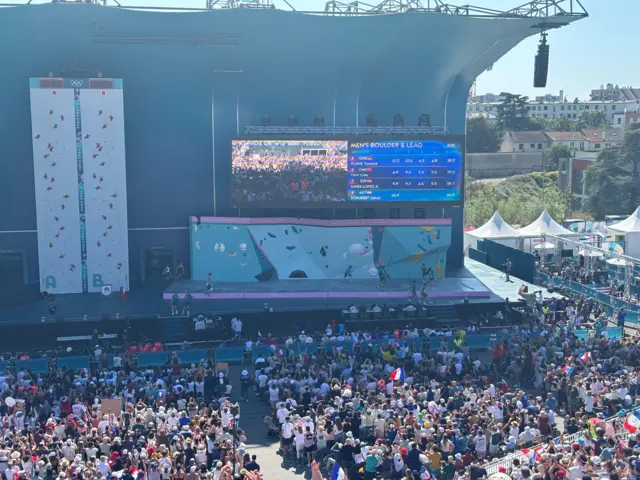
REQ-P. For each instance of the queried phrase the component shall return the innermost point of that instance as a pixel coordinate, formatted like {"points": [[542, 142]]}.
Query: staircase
{"points": [[446, 315], [173, 329]]}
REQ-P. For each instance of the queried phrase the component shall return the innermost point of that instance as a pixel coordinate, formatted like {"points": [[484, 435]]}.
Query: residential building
{"points": [[624, 119], [532, 141], [613, 93], [600, 138], [550, 110], [571, 139], [550, 98]]}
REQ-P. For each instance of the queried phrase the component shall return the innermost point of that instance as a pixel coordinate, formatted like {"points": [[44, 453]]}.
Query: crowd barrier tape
{"points": [[612, 303]]}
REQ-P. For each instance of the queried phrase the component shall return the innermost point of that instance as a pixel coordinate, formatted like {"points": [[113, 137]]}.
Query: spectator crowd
{"points": [[285, 171]]}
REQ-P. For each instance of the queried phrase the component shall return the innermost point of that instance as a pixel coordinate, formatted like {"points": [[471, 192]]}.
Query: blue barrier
{"points": [[74, 363], [195, 356], [478, 341], [613, 333], [152, 359], [35, 365], [347, 345], [612, 303], [264, 350], [581, 334], [435, 342], [299, 348], [229, 354]]}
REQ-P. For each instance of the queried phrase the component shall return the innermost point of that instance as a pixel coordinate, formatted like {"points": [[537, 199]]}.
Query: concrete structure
{"points": [[549, 97], [194, 80], [532, 141], [609, 93], [501, 165]]}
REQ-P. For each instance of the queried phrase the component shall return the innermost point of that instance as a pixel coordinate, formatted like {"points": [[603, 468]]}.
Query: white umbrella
{"points": [[617, 261], [590, 253], [544, 246]]}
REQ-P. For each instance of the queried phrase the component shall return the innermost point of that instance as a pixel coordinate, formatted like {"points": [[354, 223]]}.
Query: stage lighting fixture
{"points": [[292, 121], [372, 120], [318, 121], [266, 121], [424, 120], [398, 120], [541, 67]]}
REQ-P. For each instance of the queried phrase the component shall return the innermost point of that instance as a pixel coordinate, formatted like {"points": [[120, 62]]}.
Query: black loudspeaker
{"points": [[542, 64]]}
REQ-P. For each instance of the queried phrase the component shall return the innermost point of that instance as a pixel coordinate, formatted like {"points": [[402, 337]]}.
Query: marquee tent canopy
{"points": [[495, 228], [631, 224], [544, 225]]}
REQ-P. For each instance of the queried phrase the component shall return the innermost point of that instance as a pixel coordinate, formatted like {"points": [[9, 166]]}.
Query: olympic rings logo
{"points": [[76, 83]]}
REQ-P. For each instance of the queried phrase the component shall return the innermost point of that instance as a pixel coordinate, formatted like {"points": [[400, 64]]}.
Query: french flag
{"points": [[337, 473], [632, 422], [533, 454], [585, 357], [397, 374], [567, 369]]}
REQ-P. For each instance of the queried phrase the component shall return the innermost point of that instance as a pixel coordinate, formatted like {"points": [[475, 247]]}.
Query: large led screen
{"points": [[346, 172]]}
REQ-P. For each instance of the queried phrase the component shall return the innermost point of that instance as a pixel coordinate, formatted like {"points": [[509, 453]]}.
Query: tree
{"points": [[592, 119], [513, 112], [538, 123], [561, 124], [554, 153], [482, 137], [519, 199], [612, 181]]}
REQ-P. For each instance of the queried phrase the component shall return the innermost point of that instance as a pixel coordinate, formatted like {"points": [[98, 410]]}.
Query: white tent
{"points": [[495, 229], [621, 262], [630, 224], [630, 227], [545, 246], [544, 225]]}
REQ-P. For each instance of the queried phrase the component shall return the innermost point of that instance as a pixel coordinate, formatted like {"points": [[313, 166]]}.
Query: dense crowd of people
{"points": [[379, 406], [407, 413], [279, 171]]}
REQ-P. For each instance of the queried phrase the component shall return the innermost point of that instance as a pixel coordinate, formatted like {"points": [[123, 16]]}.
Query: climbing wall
{"points": [[80, 179], [105, 187], [57, 192], [251, 251]]}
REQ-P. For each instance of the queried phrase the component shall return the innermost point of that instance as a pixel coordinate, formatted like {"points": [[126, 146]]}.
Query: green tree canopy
{"points": [[482, 137], [592, 119], [519, 199], [561, 124], [612, 181], [513, 112], [554, 153]]}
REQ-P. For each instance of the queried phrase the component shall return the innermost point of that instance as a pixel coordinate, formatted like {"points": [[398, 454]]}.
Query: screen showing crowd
{"points": [[283, 171], [276, 173]]}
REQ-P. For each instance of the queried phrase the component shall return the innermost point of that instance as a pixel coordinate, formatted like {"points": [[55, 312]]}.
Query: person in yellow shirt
{"points": [[435, 459]]}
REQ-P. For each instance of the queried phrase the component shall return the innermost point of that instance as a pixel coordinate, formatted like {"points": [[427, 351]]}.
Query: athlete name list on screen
{"points": [[395, 171]]}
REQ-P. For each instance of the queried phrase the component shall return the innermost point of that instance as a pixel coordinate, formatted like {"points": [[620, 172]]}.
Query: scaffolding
{"points": [[569, 9]]}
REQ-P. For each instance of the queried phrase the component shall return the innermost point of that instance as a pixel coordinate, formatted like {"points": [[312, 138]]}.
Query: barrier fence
{"points": [[507, 462], [612, 303]]}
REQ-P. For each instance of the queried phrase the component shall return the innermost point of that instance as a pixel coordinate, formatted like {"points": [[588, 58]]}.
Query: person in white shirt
{"points": [[274, 395], [282, 414], [287, 435]]}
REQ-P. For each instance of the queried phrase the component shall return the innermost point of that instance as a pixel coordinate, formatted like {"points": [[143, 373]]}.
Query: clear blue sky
{"points": [[594, 51]]}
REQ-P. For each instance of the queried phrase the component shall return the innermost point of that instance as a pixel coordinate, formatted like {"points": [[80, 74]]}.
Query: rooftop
{"points": [[607, 134], [566, 136], [528, 137]]}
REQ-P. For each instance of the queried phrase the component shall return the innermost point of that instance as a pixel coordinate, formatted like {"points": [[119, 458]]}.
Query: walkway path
{"points": [[252, 421]]}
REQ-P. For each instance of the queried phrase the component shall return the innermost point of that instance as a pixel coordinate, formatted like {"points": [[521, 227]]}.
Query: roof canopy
{"points": [[544, 225], [631, 224], [495, 227]]}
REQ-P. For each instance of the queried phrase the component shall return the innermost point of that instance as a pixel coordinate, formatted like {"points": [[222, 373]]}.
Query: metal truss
{"points": [[570, 9], [302, 131]]}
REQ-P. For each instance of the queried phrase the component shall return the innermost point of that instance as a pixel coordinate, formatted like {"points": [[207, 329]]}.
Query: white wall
{"points": [[56, 187], [106, 188]]}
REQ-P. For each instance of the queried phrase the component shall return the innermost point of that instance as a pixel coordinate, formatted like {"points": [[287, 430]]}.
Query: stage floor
{"points": [[456, 287]]}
